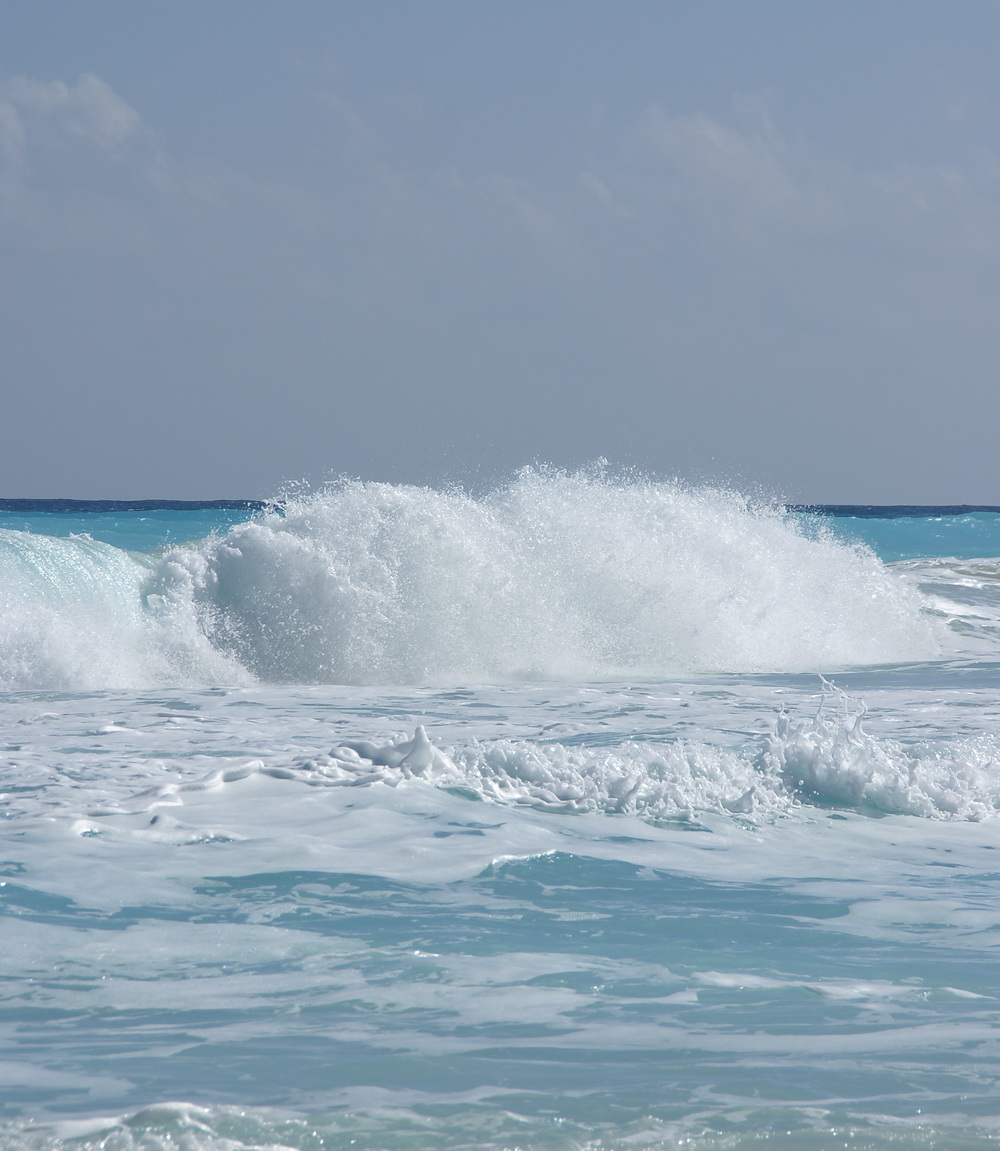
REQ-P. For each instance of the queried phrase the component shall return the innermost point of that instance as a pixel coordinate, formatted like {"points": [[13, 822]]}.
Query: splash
{"points": [[831, 758], [74, 616], [553, 576], [826, 758]]}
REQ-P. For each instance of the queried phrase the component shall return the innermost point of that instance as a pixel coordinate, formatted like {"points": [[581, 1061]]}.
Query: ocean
{"points": [[589, 812]]}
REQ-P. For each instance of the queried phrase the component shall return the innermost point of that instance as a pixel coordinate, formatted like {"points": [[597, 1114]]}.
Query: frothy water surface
{"points": [[617, 868]]}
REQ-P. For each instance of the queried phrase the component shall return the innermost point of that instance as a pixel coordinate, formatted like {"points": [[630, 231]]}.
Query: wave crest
{"points": [[555, 576]]}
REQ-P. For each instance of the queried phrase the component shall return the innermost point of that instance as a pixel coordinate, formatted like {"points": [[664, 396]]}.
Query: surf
{"points": [[553, 575]]}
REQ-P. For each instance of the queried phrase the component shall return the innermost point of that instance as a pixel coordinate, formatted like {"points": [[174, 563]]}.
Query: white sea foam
{"points": [[827, 757], [831, 757], [178, 1126], [554, 576], [965, 596], [520, 927]]}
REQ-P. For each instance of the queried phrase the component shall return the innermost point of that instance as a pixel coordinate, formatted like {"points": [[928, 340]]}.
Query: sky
{"points": [[245, 244]]}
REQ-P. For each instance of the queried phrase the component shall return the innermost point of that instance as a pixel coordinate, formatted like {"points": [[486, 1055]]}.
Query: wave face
{"points": [[74, 616], [553, 576]]}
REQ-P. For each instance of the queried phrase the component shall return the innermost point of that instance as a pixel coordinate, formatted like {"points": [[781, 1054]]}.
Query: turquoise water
{"points": [[582, 815], [906, 537], [141, 531]]}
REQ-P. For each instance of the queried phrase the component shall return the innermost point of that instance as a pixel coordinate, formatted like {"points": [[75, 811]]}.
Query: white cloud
{"points": [[600, 192], [747, 179], [80, 170], [71, 156], [90, 110]]}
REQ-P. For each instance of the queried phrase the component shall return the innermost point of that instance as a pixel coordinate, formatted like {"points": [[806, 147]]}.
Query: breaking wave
{"points": [[553, 576]]}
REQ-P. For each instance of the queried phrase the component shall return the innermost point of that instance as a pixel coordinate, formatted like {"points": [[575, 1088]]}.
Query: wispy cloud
{"points": [[89, 110]]}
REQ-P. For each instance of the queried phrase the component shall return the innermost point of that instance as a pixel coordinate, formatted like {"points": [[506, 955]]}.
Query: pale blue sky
{"points": [[244, 243]]}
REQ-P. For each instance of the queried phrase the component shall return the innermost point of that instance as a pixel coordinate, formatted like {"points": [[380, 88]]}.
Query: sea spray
{"points": [[74, 615], [553, 576]]}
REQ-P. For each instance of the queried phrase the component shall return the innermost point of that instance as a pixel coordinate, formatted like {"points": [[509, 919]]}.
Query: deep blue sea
{"points": [[587, 813]]}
